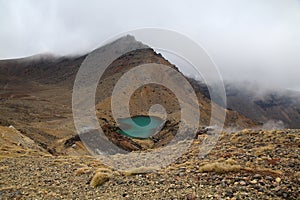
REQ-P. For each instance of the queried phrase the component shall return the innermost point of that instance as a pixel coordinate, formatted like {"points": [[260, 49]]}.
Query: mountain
{"points": [[269, 107], [264, 105], [36, 97]]}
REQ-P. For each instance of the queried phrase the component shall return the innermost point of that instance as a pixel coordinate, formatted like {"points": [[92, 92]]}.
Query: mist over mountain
{"points": [[265, 104], [261, 103]]}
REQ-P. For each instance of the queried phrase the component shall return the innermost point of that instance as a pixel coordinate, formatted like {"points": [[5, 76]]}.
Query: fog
{"points": [[249, 40]]}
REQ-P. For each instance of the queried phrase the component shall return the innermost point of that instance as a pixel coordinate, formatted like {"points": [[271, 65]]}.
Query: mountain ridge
{"points": [[48, 83]]}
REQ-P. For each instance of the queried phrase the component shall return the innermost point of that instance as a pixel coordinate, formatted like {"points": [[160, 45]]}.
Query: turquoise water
{"points": [[140, 126]]}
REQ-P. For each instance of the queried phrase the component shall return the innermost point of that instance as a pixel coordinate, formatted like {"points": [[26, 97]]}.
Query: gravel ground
{"points": [[249, 164]]}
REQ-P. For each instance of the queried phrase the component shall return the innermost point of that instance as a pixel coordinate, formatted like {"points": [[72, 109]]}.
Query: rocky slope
{"points": [[13, 143], [240, 166]]}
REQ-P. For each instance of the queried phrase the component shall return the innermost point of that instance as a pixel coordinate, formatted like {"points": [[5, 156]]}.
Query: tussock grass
{"points": [[140, 170], [99, 179], [229, 165], [82, 170], [3, 168], [231, 161], [260, 150], [101, 176], [104, 170], [272, 171]]}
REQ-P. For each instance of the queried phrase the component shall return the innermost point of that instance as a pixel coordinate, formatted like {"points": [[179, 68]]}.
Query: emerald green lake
{"points": [[140, 126]]}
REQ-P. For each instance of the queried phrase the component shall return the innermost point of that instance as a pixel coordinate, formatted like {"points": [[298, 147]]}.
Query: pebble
{"points": [[191, 197], [229, 193], [257, 176], [278, 180], [269, 178], [243, 183], [284, 195]]}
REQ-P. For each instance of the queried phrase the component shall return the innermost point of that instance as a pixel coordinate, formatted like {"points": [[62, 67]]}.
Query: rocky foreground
{"points": [[249, 164]]}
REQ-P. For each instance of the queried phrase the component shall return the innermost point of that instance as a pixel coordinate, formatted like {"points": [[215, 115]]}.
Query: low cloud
{"points": [[273, 125], [255, 40]]}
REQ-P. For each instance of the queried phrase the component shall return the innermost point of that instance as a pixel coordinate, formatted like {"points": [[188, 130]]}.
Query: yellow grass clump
{"points": [[140, 170], [221, 167], [99, 179], [104, 170], [261, 150], [82, 170]]}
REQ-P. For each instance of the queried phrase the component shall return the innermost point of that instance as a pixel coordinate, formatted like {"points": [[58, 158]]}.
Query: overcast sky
{"points": [[257, 40]]}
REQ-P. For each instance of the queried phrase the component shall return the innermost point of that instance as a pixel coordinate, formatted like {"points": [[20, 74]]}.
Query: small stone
{"points": [[253, 181], [229, 193], [243, 183], [257, 176], [191, 197], [291, 165], [284, 195], [260, 189], [278, 180], [269, 178]]}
